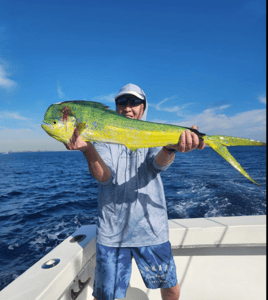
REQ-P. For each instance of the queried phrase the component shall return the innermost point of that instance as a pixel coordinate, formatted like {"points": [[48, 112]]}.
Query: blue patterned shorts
{"points": [[113, 269]]}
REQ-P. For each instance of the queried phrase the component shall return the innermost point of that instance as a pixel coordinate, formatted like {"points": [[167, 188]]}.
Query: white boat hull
{"points": [[220, 258]]}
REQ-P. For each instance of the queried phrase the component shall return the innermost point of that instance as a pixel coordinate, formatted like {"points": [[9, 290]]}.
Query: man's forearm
{"points": [[96, 165], [163, 158]]}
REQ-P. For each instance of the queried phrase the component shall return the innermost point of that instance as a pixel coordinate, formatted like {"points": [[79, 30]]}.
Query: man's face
{"points": [[131, 111]]}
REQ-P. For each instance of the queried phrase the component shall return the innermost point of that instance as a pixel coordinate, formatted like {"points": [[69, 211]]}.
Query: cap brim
{"points": [[130, 93]]}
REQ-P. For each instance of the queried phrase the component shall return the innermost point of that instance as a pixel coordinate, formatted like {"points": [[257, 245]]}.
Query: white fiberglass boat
{"points": [[220, 258]]}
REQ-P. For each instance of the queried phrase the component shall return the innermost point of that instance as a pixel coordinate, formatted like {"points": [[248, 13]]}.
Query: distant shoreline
{"points": [[37, 151]]}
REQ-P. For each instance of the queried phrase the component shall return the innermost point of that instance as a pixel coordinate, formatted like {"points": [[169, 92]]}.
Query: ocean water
{"points": [[46, 196]]}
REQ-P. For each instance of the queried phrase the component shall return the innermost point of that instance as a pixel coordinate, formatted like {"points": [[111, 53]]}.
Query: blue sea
{"points": [[46, 196]]}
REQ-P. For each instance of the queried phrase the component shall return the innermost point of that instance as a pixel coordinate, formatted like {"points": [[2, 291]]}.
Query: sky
{"points": [[199, 63]]}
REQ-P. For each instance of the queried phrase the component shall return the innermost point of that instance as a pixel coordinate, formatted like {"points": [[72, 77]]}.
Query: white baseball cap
{"points": [[131, 89]]}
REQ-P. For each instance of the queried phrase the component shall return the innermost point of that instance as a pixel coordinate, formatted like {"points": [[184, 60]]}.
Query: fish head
{"points": [[59, 122]]}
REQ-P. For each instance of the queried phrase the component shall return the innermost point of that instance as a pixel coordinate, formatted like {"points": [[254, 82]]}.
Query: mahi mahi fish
{"points": [[97, 123]]}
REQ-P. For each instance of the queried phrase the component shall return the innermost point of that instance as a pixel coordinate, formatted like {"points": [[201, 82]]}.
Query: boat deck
{"points": [[220, 258]]}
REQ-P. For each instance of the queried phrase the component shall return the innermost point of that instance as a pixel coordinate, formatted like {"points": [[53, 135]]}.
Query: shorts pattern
{"points": [[113, 269]]}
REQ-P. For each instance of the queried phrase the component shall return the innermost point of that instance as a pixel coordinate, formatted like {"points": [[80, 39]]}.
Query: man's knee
{"points": [[171, 293]]}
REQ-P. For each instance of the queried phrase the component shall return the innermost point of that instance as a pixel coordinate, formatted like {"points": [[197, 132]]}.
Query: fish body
{"points": [[97, 123]]}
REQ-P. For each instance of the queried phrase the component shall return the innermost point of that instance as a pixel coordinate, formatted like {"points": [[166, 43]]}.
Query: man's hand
{"points": [[188, 142], [96, 165], [76, 142]]}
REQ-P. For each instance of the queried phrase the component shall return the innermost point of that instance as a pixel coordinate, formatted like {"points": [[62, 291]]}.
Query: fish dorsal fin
{"points": [[93, 104], [86, 103]]}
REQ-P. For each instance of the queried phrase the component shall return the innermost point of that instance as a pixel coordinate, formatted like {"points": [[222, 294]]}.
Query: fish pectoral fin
{"points": [[81, 126], [223, 151]]}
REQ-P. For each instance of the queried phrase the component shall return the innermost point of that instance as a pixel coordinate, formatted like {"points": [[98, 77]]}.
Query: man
{"points": [[132, 213]]}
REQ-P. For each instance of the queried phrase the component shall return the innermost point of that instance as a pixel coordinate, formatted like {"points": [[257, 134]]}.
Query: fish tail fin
{"points": [[234, 141], [219, 143]]}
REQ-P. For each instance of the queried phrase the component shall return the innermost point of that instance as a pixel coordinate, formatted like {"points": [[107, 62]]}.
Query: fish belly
{"points": [[134, 138]]}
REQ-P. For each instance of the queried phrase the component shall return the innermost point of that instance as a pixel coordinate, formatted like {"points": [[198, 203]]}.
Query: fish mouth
{"points": [[47, 127]]}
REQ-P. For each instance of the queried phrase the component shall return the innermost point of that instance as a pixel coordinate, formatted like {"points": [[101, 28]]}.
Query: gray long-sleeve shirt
{"points": [[131, 203]]}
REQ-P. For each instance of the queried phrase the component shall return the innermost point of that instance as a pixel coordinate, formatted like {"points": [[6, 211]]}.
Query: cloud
{"points": [[60, 92], [223, 106], [104, 98], [101, 98], [248, 124], [262, 99], [5, 82], [174, 109], [11, 115]]}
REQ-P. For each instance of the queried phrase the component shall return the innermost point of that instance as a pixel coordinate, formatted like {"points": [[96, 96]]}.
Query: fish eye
{"points": [[54, 122]]}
